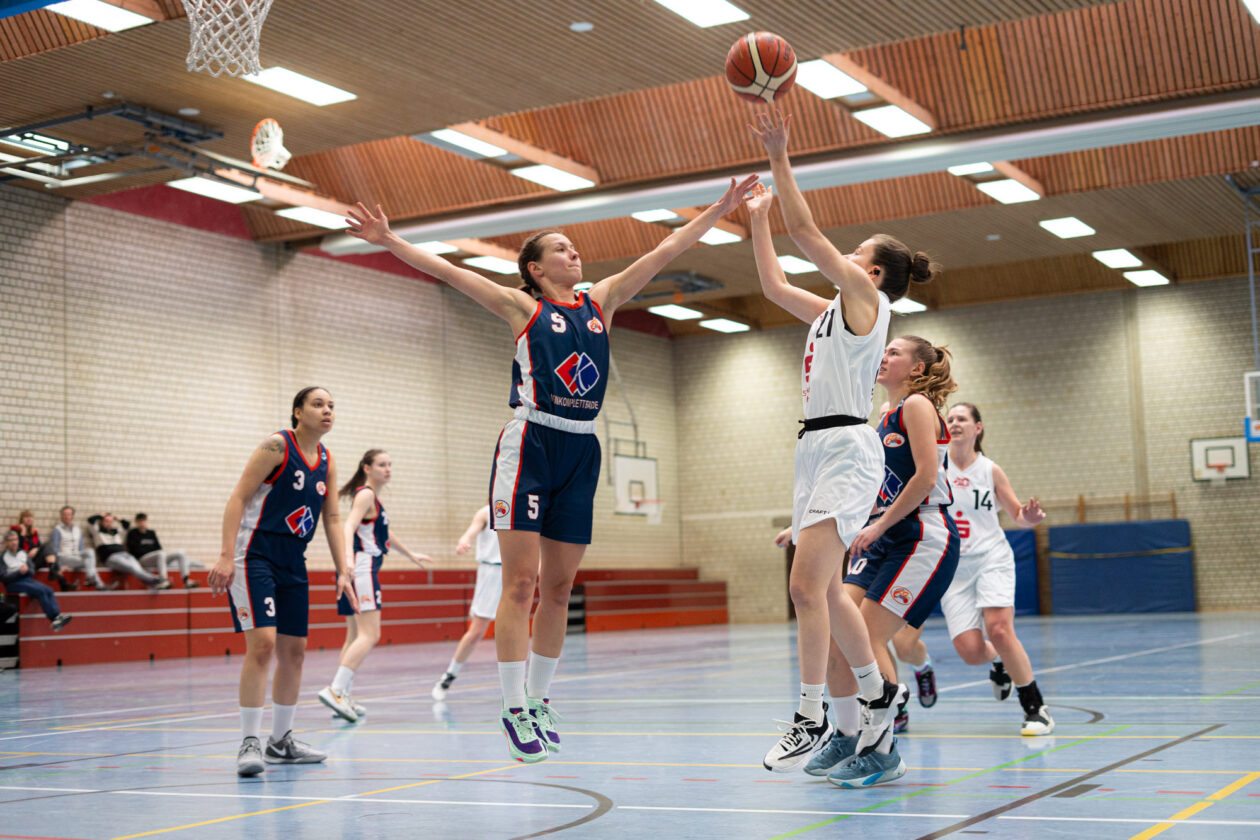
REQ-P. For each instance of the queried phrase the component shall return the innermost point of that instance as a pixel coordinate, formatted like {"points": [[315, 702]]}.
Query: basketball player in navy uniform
{"points": [[546, 463], [367, 537], [269, 520], [979, 605], [839, 462]]}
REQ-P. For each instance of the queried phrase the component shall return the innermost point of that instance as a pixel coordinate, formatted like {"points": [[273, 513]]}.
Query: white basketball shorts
{"points": [[485, 602], [838, 473], [987, 580]]}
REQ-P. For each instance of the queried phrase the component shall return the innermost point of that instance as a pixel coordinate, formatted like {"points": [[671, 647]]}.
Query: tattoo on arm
{"points": [[271, 445]]}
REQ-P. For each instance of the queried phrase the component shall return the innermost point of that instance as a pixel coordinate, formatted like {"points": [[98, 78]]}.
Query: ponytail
{"points": [[901, 267], [360, 474], [935, 382]]}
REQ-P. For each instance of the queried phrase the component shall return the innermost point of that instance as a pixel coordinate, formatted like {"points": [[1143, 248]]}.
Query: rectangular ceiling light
{"points": [[1007, 191], [906, 306], [717, 236], [654, 215], [1146, 277], [284, 80], [705, 13], [892, 121], [1253, 6], [825, 80], [314, 216], [970, 169], [1069, 227], [37, 143], [436, 247], [674, 311], [724, 325], [1117, 258], [549, 176], [105, 16], [472, 144], [495, 264], [796, 265], [211, 188]]}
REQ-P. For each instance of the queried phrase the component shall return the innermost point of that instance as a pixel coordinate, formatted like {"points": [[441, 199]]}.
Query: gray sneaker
{"points": [[60, 621], [289, 750], [249, 761], [867, 770], [339, 703], [829, 757]]}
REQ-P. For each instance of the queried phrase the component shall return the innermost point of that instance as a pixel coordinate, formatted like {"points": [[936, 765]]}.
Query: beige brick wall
{"points": [[142, 362]]}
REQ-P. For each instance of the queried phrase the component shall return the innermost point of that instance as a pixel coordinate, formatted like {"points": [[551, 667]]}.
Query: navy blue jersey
{"points": [[899, 459], [561, 360], [372, 535], [290, 500]]}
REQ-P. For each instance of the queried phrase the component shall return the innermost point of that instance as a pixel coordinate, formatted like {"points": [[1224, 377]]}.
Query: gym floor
{"points": [[1158, 733]]}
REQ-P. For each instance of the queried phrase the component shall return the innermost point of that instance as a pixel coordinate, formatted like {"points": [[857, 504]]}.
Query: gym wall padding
{"points": [[1122, 567]]}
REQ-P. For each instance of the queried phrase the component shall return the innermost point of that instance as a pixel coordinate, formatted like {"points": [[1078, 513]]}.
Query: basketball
{"points": [[761, 67]]}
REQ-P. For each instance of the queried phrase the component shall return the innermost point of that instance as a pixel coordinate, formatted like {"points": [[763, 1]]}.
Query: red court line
{"points": [[1011, 787], [1186, 792]]}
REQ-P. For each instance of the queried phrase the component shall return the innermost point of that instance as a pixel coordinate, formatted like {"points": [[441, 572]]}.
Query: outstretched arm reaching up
{"points": [[774, 284]]}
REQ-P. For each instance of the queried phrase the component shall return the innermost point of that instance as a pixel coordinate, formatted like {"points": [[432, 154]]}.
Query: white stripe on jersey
{"points": [[249, 521], [507, 469], [975, 507], [526, 364], [366, 532], [839, 369]]}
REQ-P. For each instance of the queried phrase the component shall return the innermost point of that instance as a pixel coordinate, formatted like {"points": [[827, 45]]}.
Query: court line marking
{"points": [[350, 797], [1203, 805], [1224, 694]]}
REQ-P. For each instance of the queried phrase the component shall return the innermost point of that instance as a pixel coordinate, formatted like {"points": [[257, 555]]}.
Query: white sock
{"points": [[848, 714], [251, 721], [811, 702], [282, 720], [453, 668], [541, 670], [341, 682], [870, 681], [923, 666], [512, 684]]}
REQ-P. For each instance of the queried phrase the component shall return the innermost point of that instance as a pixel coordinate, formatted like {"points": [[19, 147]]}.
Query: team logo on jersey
{"points": [[901, 595], [578, 373], [893, 440], [891, 486], [321, 488], [243, 612], [501, 508], [301, 521], [595, 325], [964, 527], [558, 324], [962, 481]]}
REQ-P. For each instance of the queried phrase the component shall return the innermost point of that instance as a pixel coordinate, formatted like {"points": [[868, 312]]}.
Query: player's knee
{"points": [[805, 596], [971, 648], [291, 657], [1001, 632], [261, 650], [519, 592], [557, 594]]}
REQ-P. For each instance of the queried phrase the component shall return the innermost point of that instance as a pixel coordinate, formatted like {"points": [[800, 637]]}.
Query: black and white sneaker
{"points": [[802, 739], [878, 716], [289, 750], [249, 761], [442, 686], [1001, 681], [1037, 723], [60, 621]]}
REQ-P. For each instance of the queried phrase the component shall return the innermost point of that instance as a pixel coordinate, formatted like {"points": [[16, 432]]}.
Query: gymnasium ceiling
{"points": [[639, 103]]}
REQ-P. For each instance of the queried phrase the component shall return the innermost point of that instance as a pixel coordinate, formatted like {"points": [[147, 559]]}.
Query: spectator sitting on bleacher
{"points": [[107, 538], [16, 576], [38, 554], [68, 547], [144, 544]]}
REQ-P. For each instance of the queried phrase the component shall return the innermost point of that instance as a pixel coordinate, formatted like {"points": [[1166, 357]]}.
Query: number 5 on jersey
{"points": [[532, 498]]}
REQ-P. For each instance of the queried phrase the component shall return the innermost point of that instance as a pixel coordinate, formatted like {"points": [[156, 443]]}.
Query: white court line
{"points": [[1146, 821], [106, 712], [785, 811], [1116, 658]]}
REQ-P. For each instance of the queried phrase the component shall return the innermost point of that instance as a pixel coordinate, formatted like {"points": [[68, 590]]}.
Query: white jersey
{"points": [[487, 546], [839, 370], [975, 507]]}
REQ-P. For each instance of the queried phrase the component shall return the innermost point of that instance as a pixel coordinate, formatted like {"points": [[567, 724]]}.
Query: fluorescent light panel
{"points": [[724, 325], [215, 189], [1253, 6], [825, 80], [436, 247], [1117, 258], [705, 13], [284, 80], [717, 236], [1146, 277], [892, 121], [314, 216], [472, 144], [1007, 191], [498, 266], [906, 306], [796, 265], [549, 176], [1069, 227], [676, 312], [101, 15], [970, 169], [654, 215]]}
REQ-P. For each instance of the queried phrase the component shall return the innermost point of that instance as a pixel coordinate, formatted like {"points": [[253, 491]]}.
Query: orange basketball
{"points": [[761, 67]]}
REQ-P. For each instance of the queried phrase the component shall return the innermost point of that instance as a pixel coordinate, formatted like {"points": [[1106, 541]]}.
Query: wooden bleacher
{"points": [[134, 623]]}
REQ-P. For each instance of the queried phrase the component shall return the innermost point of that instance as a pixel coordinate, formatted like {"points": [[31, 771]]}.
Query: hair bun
{"points": [[922, 269]]}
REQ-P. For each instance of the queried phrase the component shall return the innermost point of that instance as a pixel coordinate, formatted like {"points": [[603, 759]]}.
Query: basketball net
{"points": [[653, 508], [223, 35], [1217, 477]]}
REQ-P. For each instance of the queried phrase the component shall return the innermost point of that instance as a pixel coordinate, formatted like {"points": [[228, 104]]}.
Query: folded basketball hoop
{"points": [[267, 145], [223, 35]]}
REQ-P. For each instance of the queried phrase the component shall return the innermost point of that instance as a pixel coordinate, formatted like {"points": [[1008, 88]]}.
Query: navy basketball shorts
{"points": [[908, 570], [544, 480], [367, 584], [270, 588]]}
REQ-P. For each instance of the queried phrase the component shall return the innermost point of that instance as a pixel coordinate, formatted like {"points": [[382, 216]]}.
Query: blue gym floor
{"points": [[1158, 734]]}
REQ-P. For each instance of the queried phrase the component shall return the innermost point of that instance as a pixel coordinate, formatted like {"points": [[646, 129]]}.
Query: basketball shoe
{"points": [[829, 757], [802, 739]]}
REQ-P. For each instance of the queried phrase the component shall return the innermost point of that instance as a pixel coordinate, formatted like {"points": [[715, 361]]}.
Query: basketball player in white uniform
{"points": [[980, 602], [839, 459], [485, 600]]}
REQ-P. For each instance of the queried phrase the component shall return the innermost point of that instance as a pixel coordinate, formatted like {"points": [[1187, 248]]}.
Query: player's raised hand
{"points": [[736, 193], [772, 128], [760, 200], [369, 226]]}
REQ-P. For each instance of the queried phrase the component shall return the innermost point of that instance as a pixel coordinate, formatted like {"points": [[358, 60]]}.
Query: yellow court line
{"points": [[308, 804], [1197, 807]]}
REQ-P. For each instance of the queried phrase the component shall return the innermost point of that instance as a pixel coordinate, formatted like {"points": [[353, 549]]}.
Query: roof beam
{"points": [[880, 88]]}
